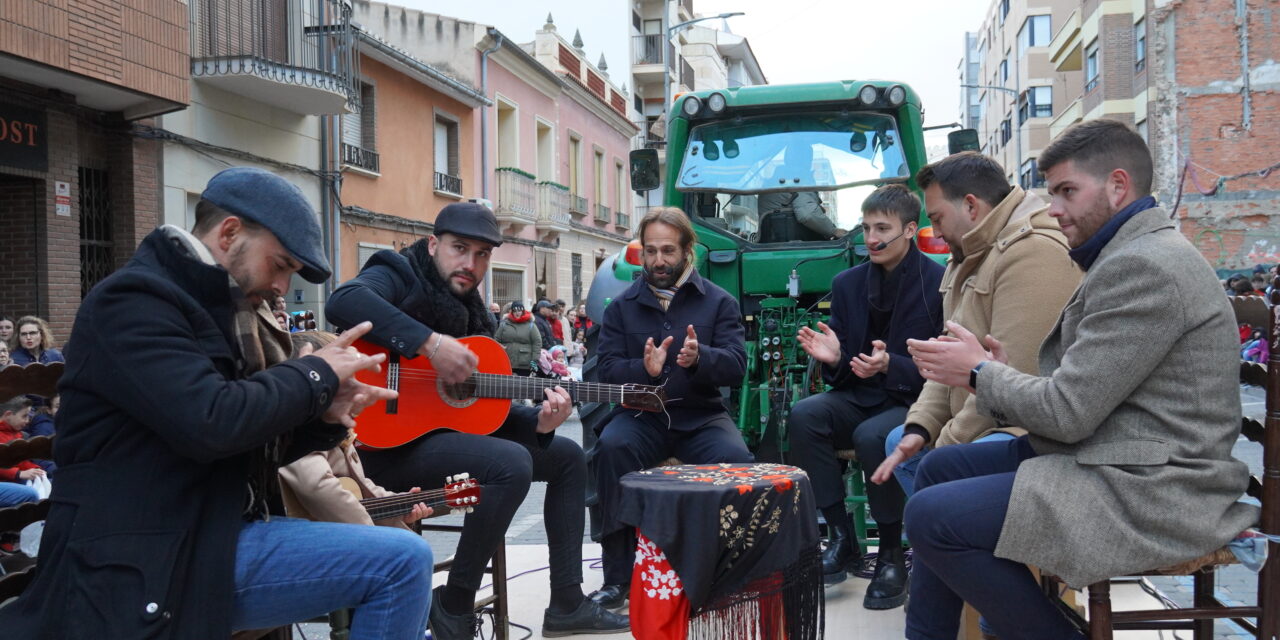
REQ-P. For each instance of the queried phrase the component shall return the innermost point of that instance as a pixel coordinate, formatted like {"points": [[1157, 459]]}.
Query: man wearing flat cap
{"points": [[420, 301], [179, 402]]}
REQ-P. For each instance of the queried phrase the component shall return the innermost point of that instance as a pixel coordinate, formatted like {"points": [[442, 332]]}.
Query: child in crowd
{"points": [[14, 415]]}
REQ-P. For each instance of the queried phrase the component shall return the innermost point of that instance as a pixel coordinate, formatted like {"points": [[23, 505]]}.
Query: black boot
{"points": [[839, 555], [888, 589]]}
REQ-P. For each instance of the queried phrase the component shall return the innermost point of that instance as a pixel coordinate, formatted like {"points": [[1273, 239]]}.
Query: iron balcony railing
{"points": [[448, 183], [516, 194], [622, 220], [553, 205], [360, 158], [686, 75], [302, 42], [578, 204], [646, 49], [602, 213], [647, 138]]}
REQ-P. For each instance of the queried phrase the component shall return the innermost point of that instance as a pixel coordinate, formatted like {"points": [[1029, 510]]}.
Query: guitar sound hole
{"points": [[460, 395]]}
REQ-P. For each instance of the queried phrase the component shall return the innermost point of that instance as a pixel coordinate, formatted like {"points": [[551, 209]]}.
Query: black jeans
{"points": [[628, 444], [823, 423], [505, 469], [954, 522]]}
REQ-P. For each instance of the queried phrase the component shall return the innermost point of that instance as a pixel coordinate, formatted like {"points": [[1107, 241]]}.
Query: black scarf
{"points": [[444, 311]]}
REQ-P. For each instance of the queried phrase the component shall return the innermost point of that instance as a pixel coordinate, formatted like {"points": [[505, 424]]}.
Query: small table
{"points": [[724, 551]]}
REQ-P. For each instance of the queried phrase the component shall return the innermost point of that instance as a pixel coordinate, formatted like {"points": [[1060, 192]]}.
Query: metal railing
{"points": [[516, 195], [578, 204], [646, 49], [648, 139], [304, 42], [360, 158], [686, 75], [553, 204], [448, 183], [622, 220], [602, 213]]}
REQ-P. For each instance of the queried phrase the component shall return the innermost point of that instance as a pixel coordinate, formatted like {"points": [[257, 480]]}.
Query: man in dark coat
{"points": [[638, 336], [543, 315], [420, 300], [178, 406], [875, 307]]}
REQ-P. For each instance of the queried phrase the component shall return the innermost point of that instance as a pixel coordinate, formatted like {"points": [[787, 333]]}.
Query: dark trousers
{"points": [[954, 521], [505, 469], [628, 444], [823, 423]]}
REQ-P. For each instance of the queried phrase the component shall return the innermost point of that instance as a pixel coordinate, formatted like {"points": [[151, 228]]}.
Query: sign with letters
{"points": [[24, 138]]}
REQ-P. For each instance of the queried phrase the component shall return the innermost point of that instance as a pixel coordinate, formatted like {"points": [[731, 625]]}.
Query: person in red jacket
{"points": [[14, 415]]}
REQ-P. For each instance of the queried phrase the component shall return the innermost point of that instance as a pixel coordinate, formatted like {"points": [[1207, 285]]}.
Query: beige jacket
{"points": [[312, 483], [1014, 280]]}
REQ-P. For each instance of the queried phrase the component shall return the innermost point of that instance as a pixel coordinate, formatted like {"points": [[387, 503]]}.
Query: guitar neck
{"points": [[493, 385], [403, 503]]}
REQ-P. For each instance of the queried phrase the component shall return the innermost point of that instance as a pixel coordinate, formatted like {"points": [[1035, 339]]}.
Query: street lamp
{"points": [[666, 81], [1018, 139]]}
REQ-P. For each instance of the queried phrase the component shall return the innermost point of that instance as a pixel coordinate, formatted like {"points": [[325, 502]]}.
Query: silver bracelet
{"points": [[436, 348]]}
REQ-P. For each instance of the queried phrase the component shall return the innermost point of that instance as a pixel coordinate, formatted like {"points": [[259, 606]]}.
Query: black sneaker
{"points": [[589, 617], [448, 626], [611, 596]]}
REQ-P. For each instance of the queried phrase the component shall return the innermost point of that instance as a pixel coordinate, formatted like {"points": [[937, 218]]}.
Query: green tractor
{"points": [[741, 162]]}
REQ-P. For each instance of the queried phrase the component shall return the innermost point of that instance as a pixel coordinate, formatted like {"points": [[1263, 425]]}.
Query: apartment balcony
{"points": [[553, 209], [1072, 114], [647, 139], [298, 55], [361, 158], [517, 203], [602, 214], [687, 77], [446, 183], [622, 222], [649, 54], [578, 205], [1065, 51]]}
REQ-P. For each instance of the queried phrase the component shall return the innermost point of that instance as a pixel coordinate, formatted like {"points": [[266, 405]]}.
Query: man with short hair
{"points": [[543, 315], [1127, 463], [1009, 275], [875, 307], [180, 403], [421, 300], [672, 308]]}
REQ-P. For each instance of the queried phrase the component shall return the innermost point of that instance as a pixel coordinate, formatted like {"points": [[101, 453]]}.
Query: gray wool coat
{"points": [[1133, 416]]}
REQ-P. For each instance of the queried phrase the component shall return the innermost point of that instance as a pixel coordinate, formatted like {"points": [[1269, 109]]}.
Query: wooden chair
{"points": [[1206, 607], [38, 379], [498, 600]]}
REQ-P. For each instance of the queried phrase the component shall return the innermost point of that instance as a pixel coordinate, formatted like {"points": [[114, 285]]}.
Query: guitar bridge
{"points": [[393, 382]]}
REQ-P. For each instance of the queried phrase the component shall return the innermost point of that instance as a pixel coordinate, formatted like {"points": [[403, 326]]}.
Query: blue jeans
{"points": [[13, 493], [288, 570], [954, 523], [906, 472]]}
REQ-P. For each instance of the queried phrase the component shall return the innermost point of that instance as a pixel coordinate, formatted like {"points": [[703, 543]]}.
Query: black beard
{"points": [[667, 277]]}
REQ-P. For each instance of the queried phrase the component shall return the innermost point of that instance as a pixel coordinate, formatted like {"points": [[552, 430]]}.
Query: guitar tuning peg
{"points": [[470, 509], [448, 479], [464, 475]]}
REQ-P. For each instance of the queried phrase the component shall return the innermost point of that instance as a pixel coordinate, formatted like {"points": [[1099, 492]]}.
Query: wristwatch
{"points": [[973, 376]]}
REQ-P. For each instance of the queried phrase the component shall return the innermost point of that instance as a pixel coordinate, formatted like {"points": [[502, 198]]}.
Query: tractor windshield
{"points": [[811, 152]]}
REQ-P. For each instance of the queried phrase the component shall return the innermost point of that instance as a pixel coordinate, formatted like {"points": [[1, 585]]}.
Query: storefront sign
{"points": [[24, 138]]}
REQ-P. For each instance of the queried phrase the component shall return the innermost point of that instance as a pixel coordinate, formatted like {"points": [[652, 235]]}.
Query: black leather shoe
{"points": [[447, 626], [888, 589], [838, 555], [589, 617], [611, 596]]}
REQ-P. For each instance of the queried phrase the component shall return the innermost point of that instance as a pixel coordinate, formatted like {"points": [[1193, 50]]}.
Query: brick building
{"points": [[1201, 82], [78, 190]]}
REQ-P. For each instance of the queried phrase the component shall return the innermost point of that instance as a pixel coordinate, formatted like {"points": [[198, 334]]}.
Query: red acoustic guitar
{"points": [[476, 405]]}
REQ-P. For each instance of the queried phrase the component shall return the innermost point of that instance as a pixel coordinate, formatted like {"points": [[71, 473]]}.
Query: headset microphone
{"points": [[882, 245]]}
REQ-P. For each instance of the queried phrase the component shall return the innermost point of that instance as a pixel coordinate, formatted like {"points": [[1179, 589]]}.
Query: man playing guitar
{"points": [[421, 300]]}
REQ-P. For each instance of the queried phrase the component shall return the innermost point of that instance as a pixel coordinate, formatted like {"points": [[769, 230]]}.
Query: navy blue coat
{"points": [[154, 435], [917, 313], [635, 316]]}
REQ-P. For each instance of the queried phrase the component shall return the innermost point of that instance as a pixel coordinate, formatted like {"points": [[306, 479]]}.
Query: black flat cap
{"points": [[469, 220], [277, 204]]}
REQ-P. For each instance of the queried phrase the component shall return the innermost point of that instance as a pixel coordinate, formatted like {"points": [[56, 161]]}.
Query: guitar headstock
{"points": [[461, 492], [643, 397]]}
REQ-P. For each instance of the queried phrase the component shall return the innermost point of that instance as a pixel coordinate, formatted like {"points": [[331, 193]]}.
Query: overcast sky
{"points": [[919, 42]]}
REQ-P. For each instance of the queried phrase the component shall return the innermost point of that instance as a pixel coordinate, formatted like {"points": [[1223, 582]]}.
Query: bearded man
{"points": [[671, 304]]}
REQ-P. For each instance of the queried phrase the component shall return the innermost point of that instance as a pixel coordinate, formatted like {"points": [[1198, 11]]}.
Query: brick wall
{"points": [[1201, 115], [1115, 47], [137, 44]]}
